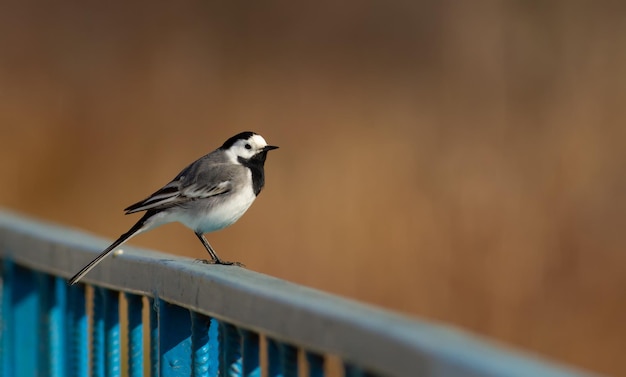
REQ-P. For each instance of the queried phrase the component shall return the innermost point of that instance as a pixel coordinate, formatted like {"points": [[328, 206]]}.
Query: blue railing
{"points": [[188, 319]]}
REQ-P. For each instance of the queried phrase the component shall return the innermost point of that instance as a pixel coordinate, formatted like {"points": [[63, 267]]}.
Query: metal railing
{"points": [[188, 319]]}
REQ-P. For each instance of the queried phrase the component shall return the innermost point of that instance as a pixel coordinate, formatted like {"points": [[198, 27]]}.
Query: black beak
{"points": [[269, 148]]}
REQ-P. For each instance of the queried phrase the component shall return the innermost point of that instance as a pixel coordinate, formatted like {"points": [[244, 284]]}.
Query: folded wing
{"points": [[173, 194]]}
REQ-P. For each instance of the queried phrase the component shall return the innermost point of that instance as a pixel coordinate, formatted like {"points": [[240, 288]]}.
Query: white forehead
{"points": [[257, 141]]}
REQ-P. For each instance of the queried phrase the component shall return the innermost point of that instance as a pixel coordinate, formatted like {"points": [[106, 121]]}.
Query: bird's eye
{"points": [[248, 146]]}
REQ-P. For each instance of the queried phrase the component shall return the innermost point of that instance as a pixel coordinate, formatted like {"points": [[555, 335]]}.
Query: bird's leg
{"points": [[214, 258], [208, 248]]}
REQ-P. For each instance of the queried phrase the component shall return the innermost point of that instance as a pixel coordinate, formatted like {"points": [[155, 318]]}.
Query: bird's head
{"points": [[247, 146]]}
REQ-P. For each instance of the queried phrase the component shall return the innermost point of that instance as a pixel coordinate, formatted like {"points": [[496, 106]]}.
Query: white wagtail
{"points": [[208, 195]]}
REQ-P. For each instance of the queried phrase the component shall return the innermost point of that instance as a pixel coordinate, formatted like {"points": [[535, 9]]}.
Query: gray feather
{"points": [[209, 176]]}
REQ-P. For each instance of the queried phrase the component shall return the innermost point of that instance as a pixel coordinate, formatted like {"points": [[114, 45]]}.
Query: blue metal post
{"points": [[45, 292], [77, 336], [112, 333], [25, 309], [289, 360], [282, 359], [135, 334], [315, 364], [154, 337], [351, 370], [204, 359], [250, 353], [98, 352], [274, 367], [58, 320], [230, 350], [6, 319], [214, 347], [53, 295], [174, 340]]}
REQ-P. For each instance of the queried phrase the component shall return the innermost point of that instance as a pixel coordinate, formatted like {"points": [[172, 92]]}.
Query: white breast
{"points": [[226, 213], [221, 213]]}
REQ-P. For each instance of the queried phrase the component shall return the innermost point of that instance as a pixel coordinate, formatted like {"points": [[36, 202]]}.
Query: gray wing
{"points": [[202, 179]]}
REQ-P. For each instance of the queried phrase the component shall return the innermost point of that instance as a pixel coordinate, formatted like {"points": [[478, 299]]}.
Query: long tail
{"points": [[136, 229]]}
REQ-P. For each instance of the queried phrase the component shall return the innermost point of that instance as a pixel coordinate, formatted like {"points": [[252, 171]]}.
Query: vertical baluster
{"points": [[97, 333], [288, 360], [174, 340], [135, 334], [154, 337], [315, 364], [205, 355], [214, 347], [112, 333], [6, 319], [274, 367], [77, 357], [45, 291], [230, 350], [250, 353], [58, 321], [52, 294], [25, 304], [351, 370], [283, 359]]}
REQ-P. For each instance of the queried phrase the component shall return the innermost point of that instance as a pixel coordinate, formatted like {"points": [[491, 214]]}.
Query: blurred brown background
{"points": [[459, 161]]}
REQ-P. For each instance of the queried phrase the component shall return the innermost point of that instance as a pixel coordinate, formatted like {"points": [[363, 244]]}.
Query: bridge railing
{"points": [[182, 318]]}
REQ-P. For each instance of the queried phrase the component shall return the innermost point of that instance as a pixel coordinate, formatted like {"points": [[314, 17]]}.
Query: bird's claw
{"points": [[219, 261]]}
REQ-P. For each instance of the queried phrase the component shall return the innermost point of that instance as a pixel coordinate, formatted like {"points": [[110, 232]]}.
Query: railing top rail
{"points": [[373, 338]]}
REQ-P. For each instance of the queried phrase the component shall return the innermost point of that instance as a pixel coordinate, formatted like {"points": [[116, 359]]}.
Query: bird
{"points": [[210, 194]]}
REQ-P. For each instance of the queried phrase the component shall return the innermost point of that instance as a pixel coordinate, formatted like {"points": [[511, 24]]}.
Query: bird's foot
{"points": [[219, 261], [228, 263]]}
